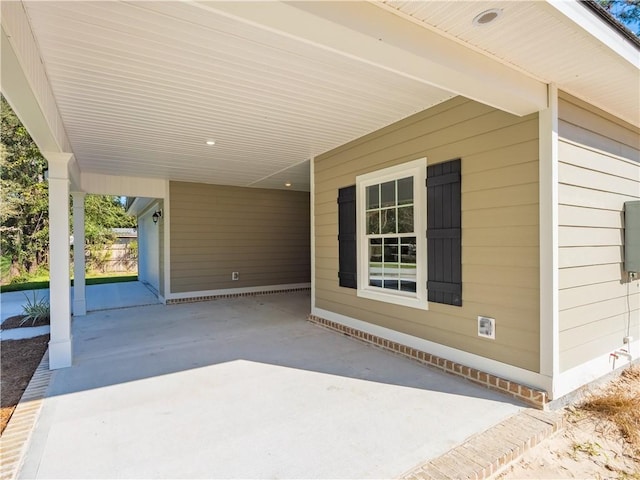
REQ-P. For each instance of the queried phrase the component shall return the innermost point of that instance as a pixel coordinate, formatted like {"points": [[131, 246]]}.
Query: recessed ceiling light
{"points": [[288, 184], [487, 17], [210, 142]]}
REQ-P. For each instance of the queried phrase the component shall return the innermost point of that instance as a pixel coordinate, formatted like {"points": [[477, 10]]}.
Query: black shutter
{"points": [[347, 237], [444, 245]]}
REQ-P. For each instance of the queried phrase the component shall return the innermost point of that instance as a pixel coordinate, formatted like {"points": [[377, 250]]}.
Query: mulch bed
{"points": [[18, 361], [16, 322]]}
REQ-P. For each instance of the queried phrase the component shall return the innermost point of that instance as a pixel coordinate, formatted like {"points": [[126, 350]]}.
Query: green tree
{"points": [[24, 214], [626, 12], [24, 202]]}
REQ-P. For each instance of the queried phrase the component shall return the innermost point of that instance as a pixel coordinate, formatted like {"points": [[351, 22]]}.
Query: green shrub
{"points": [[35, 310]]}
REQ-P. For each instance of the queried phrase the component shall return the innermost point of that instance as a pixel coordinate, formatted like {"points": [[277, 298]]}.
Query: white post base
{"points": [[60, 354], [79, 307]]}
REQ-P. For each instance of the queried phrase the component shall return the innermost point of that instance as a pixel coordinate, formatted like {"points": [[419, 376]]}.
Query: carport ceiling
{"points": [[141, 86]]}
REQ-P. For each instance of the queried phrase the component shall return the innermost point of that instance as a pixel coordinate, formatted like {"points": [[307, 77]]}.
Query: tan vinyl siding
{"points": [[500, 270], [598, 171], [216, 230]]}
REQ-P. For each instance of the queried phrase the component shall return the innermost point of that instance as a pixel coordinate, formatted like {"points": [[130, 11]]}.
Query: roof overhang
{"points": [[134, 89]]}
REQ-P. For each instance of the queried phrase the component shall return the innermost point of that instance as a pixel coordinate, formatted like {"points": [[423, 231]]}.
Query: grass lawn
{"points": [[37, 283]]}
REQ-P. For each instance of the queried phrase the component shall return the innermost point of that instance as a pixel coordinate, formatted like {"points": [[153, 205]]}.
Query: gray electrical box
{"points": [[632, 236]]}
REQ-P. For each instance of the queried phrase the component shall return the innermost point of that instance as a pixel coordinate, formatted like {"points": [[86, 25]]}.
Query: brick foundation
{"points": [[531, 396], [206, 298]]}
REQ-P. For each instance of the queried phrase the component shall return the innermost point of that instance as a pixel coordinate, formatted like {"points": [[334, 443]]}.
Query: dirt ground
{"points": [[18, 360], [591, 445]]}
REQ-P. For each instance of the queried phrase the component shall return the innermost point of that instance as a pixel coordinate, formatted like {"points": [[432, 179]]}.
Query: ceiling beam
{"points": [[25, 86], [372, 35]]}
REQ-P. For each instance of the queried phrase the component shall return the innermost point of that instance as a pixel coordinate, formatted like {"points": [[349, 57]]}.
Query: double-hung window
{"points": [[391, 234]]}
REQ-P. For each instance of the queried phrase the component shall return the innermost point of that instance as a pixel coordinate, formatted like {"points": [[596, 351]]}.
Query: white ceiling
{"points": [[536, 38], [141, 86]]}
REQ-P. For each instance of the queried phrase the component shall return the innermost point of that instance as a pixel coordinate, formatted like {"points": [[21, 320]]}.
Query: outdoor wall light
{"points": [[156, 216]]}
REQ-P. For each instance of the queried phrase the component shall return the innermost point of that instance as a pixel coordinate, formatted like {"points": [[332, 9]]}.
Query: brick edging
{"points": [[16, 436], [205, 298], [487, 453], [531, 396]]}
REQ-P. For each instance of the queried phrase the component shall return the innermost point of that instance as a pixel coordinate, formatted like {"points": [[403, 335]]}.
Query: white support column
{"points": [[60, 348], [548, 204], [312, 213], [79, 299]]}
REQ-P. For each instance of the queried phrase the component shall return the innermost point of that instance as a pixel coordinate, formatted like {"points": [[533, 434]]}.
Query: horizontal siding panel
{"points": [[215, 230], [582, 256], [500, 265], [603, 344], [520, 215], [589, 217], [519, 174], [586, 197], [505, 276], [589, 236], [595, 312], [506, 156], [597, 161], [594, 293], [501, 352], [589, 275], [520, 236], [501, 197], [582, 177], [594, 330], [526, 298], [595, 140], [437, 149], [501, 256], [590, 119]]}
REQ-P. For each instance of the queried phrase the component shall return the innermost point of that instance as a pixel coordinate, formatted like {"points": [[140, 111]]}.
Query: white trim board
{"points": [[576, 377], [499, 369]]}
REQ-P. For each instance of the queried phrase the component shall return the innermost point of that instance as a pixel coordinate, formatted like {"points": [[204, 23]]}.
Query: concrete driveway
{"points": [[244, 388]]}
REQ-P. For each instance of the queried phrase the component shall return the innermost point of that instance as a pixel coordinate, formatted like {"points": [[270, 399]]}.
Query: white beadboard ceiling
{"points": [[141, 86], [536, 38]]}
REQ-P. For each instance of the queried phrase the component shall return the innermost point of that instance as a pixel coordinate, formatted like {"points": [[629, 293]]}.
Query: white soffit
{"points": [[539, 38], [141, 87]]}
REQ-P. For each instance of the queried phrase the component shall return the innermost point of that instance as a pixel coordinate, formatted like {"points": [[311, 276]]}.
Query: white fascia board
{"points": [[372, 35], [597, 28], [27, 86], [15, 88], [102, 184]]}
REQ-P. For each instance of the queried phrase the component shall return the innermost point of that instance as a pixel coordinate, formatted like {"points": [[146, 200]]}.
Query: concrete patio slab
{"points": [[245, 388]]}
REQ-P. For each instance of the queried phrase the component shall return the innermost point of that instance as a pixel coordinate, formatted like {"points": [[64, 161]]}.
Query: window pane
{"points": [[388, 194], [405, 191], [408, 286], [373, 222], [391, 284], [375, 254], [390, 250], [373, 197], [388, 221], [405, 220]]}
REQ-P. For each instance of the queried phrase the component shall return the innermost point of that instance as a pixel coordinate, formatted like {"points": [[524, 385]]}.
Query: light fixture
{"points": [[210, 142], [487, 17], [288, 184], [156, 216]]}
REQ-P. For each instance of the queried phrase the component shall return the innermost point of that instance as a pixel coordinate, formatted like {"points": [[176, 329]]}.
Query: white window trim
{"points": [[418, 170]]}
